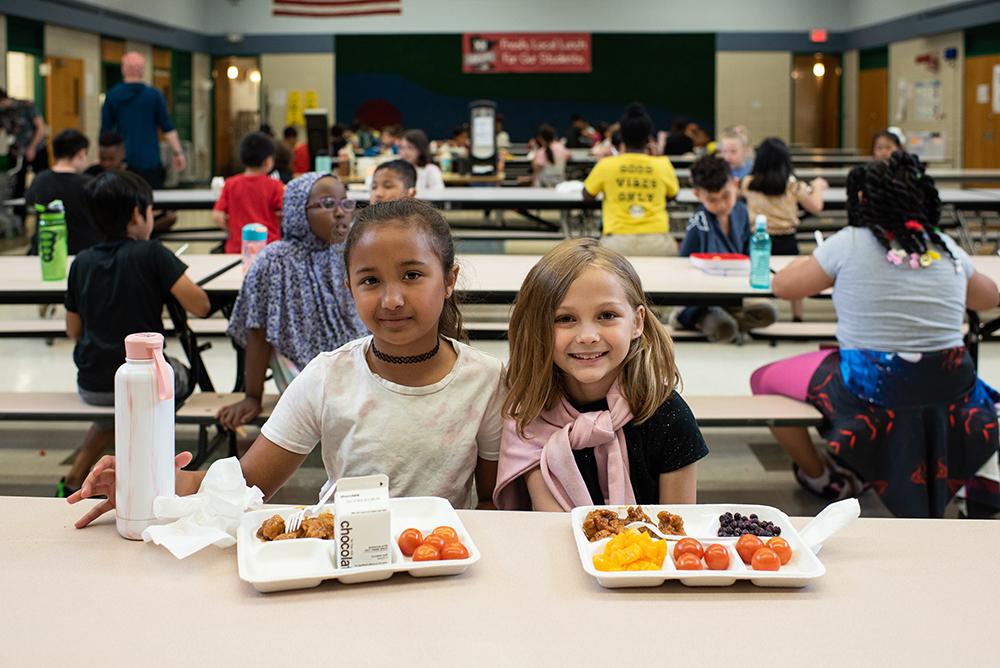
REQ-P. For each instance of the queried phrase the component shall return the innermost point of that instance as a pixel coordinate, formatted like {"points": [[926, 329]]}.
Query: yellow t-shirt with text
{"points": [[636, 187]]}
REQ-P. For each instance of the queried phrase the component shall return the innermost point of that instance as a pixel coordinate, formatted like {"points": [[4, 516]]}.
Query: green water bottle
{"points": [[52, 240]]}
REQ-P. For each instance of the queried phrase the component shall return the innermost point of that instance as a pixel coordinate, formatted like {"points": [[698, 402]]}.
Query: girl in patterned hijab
{"points": [[294, 303]]}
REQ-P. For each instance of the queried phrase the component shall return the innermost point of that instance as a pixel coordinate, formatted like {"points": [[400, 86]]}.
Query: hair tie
{"points": [[913, 225], [914, 261], [894, 258], [889, 236]]}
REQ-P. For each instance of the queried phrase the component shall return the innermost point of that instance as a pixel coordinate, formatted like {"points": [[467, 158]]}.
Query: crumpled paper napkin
{"points": [[209, 517]]}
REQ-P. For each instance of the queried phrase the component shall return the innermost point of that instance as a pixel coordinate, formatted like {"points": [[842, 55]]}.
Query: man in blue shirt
{"points": [[137, 111], [720, 224]]}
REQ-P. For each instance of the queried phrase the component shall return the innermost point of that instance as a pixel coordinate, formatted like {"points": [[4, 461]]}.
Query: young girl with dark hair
{"points": [[904, 412], [414, 148], [772, 189], [636, 187], [884, 144], [411, 400], [548, 165]]}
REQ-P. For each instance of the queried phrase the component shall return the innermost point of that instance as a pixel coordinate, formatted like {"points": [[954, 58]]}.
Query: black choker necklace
{"points": [[406, 359]]}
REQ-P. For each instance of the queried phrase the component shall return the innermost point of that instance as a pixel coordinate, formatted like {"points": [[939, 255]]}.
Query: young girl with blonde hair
{"points": [[592, 415]]}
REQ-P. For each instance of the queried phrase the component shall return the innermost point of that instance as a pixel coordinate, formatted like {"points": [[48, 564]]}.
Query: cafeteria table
{"points": [[896, 592], [21, 283], [496, 279]]}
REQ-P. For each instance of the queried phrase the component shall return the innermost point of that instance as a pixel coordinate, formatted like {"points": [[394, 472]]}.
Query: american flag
{"points": [[334, 8]]}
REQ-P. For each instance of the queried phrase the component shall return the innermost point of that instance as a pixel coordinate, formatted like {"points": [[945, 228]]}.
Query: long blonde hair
{"points": [[649, 374]]}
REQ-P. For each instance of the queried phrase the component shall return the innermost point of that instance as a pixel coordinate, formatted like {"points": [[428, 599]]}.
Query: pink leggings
{"points": [[789, 377]]}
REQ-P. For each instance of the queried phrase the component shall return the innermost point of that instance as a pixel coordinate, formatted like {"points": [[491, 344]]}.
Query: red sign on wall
{"points": [[487, 53]]}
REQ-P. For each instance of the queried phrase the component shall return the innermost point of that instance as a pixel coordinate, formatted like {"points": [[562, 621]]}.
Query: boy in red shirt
{"points": [[253, 196]]}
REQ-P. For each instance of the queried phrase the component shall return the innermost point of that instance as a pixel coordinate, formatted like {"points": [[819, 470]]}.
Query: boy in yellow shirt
{"points": [[636, 188]]}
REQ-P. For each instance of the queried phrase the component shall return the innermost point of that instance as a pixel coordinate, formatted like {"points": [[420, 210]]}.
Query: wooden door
{"points": [[873, 105], [223, 117], [64, 94], [816, 101], [982, 123]]}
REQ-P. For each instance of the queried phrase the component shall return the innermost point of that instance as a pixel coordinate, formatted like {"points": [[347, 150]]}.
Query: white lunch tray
{"points": [[702, 522], [305, 562]]}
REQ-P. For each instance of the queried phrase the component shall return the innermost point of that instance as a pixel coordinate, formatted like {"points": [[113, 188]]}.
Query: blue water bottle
{"points": [[760, 255]]}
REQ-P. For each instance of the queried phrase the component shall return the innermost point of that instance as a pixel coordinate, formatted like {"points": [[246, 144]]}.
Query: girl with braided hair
{"points": [[904, 412]]}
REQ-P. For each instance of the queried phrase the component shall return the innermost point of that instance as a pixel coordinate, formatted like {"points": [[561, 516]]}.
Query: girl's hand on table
{"points": [[236, 415], [101, 482]]}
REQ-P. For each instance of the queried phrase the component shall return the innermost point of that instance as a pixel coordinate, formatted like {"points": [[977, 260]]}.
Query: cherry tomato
{"points": [[435, 540], [765, 559], [409, 540], [688, 545], [747, 545], [687, 561], [426, 552], [454, 551], [717, 557], [449, 534], [781, 548]]}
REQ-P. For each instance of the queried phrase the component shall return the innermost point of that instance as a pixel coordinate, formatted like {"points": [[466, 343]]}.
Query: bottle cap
{"points": [[254, 232], [760, 221], [149, 346]]}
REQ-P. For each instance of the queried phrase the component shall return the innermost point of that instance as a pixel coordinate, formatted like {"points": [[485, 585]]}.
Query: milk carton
{"points": [[361, 506]]}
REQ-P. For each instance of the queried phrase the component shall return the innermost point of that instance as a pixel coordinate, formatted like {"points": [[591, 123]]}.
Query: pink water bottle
{"points": [[254, 240], [144, 432]]}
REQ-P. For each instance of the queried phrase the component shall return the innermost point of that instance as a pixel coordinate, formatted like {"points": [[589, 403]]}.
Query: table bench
{"points": [[56, 328], [200, 409]]}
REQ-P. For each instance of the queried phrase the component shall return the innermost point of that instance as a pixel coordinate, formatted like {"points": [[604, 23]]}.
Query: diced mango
{"points": [[632, 551]]}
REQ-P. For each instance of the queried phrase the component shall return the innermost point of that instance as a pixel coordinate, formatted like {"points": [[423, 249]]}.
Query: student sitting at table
{"points": [[65, 181], [412, 401], [548, 163], [388, 142], [111, 155], [592, 415], [772, 189], [720, 224], [884, 144], [903, 408], [294, 303], [735, 147], [636, 188], [414, 148], [393, 180], [251, 197], [116, 288]]}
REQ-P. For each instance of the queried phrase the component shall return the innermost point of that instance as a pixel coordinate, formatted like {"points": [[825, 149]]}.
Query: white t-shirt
{"points": [[894, 308], [429, 178], [426, 439]]}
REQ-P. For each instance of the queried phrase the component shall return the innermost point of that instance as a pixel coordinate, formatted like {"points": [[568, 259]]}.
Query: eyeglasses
{"points": [[329, 203]]}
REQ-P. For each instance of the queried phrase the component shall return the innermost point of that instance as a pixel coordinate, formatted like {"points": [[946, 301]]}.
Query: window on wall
{"points": [[25, 55]]}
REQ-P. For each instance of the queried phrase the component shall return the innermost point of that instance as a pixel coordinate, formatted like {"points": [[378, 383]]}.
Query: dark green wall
{"points": [[421, 75]]}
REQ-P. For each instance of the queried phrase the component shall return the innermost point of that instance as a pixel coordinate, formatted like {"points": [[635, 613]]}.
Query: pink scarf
{"points": [[549, 442]]}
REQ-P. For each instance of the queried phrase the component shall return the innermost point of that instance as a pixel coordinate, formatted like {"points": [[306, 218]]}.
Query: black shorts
{"points": [[784, 244]]}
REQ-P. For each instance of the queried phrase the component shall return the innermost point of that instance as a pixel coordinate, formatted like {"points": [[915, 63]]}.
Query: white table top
{"points": [[497, 197], [497, 278], [21, 276], [896, 593], [839, 174]]}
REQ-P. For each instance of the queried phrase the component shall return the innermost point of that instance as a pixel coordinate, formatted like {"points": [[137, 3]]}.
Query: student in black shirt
{"points": [[116, 288], [678, 141], [65, 181], [111, 155]]}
